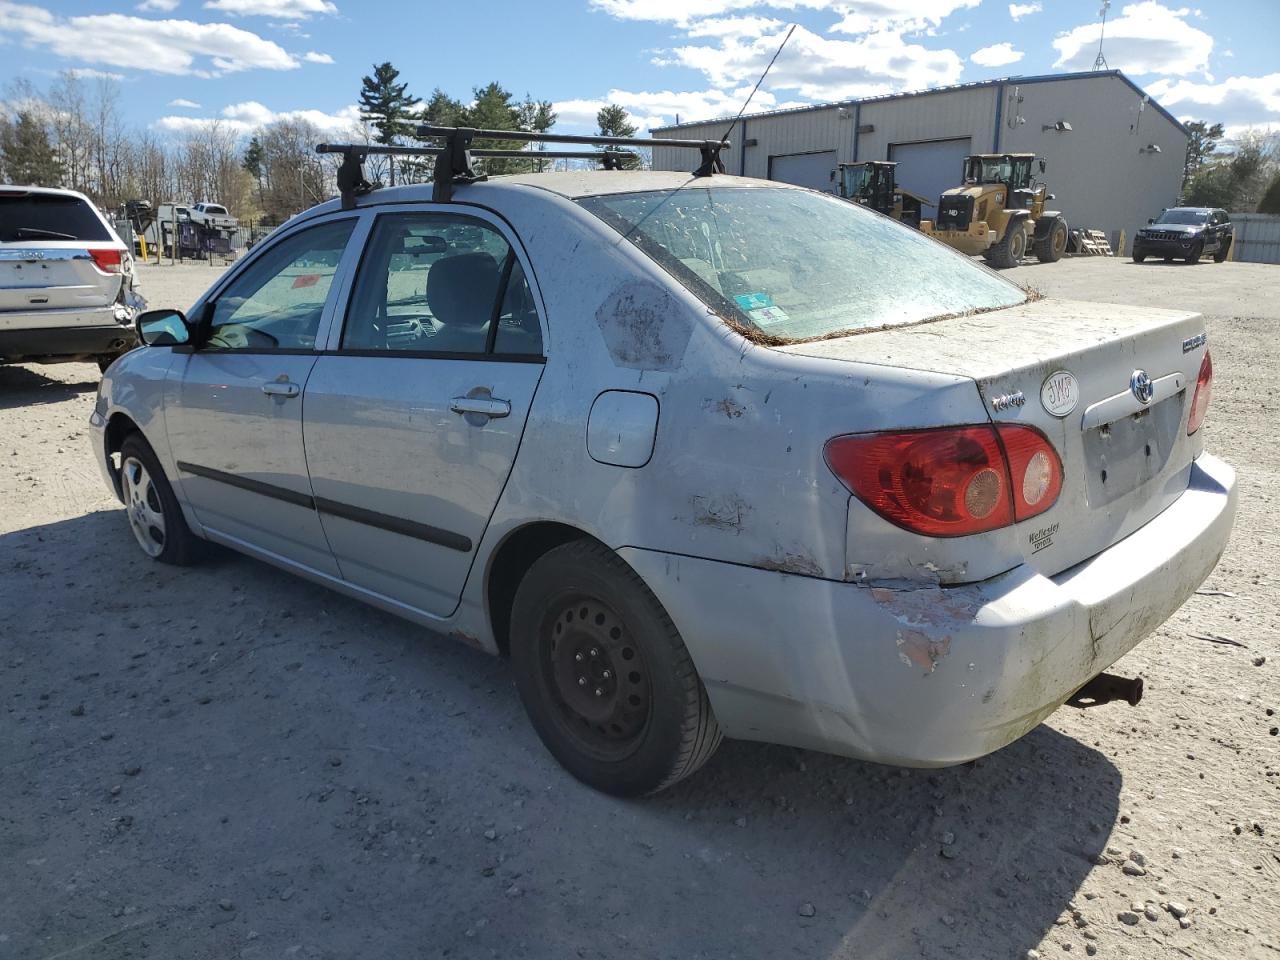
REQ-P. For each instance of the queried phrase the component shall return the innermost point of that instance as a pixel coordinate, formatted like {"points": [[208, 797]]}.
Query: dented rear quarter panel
{"points": [[737, 473]]}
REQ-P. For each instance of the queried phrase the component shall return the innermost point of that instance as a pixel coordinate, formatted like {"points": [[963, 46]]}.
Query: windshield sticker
{"points": [[753, 301], [760, 309]]}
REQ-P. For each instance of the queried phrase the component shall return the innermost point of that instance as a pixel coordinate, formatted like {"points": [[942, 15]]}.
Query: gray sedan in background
{"points": [[702, 456]]}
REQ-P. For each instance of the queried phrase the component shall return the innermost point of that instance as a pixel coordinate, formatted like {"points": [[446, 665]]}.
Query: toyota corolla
{"points": [[702, 456]]}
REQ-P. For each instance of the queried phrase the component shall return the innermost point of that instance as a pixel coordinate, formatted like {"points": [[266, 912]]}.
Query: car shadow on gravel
{"points": [[226, 760], [22, 386]]}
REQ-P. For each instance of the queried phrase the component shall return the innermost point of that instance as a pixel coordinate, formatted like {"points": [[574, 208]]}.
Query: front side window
{"points": [[277, 302], [440, 283], [795, 264]]}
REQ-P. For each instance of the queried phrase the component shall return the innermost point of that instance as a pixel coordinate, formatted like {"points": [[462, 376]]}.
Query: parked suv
{"points": [[1186, 233], [66, 280], [703, 456]]}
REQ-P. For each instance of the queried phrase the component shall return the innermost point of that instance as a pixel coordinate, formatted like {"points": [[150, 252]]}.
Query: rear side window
{"points": [[48, 216], [440, 283]]}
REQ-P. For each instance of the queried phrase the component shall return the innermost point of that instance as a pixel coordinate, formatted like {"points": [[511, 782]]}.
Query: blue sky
{"points": [[182, 63]]}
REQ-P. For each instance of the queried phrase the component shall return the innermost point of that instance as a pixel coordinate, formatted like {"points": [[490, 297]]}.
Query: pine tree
{"points": [[26, 154], [388, 106], [612, 121], [252, 162]]}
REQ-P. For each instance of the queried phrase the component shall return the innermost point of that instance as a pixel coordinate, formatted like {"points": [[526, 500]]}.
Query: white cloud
{"points": [[1146, 38], [1020, 10], [187, 104], [89, 73], [818, 68], [868, 16], [159, 46], [732, 27], [648, 110], [859, 16], [1237, 102], [311, 56], [996, 55], [160, 6], [281, 9], [244, 118]]}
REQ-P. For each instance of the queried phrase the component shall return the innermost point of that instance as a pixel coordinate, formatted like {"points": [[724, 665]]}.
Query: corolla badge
{"points": [[1060, 393], [1141, 386]]}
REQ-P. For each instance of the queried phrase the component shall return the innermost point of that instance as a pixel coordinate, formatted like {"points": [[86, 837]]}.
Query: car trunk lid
{"points": [[1067, 368]]}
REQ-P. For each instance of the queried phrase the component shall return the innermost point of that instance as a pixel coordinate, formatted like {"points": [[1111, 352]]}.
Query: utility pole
{"points": [[1100, 62]]}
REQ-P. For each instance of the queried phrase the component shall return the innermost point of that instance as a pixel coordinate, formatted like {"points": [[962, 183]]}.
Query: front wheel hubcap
{"points": [[144, 507]]}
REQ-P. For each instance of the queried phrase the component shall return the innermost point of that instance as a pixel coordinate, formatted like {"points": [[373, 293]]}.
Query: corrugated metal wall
{"points": [[1103, 172], [1257, 237]]}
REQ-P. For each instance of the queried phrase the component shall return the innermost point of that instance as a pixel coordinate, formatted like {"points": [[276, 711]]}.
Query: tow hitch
{"points": [[1106, 687]]}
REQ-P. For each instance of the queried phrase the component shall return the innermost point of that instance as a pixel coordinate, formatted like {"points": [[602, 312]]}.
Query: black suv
{"points": [[1186, 232]]}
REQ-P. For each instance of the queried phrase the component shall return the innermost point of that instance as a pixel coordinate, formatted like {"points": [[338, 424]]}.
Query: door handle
{"points": [[484, 406], [281, 388]]}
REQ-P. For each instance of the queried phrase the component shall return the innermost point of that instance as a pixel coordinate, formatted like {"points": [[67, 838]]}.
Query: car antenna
{"points": [[724, 137]]}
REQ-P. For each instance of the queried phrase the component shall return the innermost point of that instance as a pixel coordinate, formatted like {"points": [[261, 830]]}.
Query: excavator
{"points": [[998, 212], [873, 183]]}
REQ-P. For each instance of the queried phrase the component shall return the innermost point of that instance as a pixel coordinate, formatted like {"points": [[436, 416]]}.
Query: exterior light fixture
{"points": [[1061, 126]]}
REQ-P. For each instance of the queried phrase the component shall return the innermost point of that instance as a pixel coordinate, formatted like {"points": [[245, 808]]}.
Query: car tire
{"points": [[604, 676], [1195, 254], [1168, 259], [154, 514], [1139, 257], [1053, 245], [1224, 248], [1011, 248]]}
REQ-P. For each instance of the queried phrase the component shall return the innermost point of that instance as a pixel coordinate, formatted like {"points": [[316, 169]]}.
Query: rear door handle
{"points": [[281, 388], [485, 406]]}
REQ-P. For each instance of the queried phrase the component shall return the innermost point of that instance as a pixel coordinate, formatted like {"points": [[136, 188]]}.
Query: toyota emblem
{"points": [[1141, 386]]}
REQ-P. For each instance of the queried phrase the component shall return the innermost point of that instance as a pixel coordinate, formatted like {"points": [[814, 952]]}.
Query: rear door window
{"points": [[440, 284], [48, 216]]}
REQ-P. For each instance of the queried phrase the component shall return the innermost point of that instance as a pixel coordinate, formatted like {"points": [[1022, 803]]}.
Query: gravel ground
{"points": [[229, 762]]}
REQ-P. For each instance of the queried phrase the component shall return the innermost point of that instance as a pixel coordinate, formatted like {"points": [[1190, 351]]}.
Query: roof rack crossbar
{"points": [[709, 149], [453, 159], [427, 131]]}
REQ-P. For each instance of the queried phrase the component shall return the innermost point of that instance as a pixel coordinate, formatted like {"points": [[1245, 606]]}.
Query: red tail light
{"points": [[952, 481], [108, 261], [1200, 399]]}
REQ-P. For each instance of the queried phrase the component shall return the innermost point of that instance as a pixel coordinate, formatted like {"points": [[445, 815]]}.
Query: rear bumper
{"points": [[920, 675], [56, 335]]}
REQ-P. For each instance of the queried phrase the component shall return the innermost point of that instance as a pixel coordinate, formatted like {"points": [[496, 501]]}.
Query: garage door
{"points": [[813, 170], [931, 167]]}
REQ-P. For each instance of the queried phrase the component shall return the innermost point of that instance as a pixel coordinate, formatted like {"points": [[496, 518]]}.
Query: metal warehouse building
{"points": [[1114, 157]]}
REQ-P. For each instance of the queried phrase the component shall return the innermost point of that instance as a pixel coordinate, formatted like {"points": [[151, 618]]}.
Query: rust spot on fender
{"points": [[469, 639], [920, 650], [723, 512], [791, 562], [726, 407], [644, 327]]}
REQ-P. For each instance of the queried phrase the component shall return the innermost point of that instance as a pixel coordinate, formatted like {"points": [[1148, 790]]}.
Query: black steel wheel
{"points": [[604, 675], [1224, 248]]}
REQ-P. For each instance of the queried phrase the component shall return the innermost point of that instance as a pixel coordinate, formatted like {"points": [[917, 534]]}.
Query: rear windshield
{"points": [[798, 265], [1184, 216], [48, 216]]}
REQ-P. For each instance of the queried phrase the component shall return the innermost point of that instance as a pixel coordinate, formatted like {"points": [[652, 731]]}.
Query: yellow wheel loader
{"points": [[873, 183], [999, 212]]}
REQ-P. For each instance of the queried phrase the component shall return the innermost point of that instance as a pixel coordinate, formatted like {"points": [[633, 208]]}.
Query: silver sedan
{"points": [[703, 457]]}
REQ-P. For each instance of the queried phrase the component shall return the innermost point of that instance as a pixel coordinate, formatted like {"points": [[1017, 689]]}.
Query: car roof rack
{"points": [[453, 157]]}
